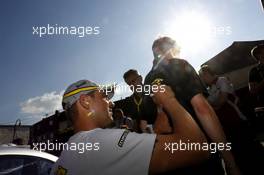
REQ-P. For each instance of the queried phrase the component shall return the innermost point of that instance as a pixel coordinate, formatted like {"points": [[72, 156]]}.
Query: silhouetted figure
{"points": [[247, 152], [256, 75], [168, 68]]}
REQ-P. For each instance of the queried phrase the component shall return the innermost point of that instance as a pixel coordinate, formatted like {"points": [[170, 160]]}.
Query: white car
{"points": [[24, 161]]}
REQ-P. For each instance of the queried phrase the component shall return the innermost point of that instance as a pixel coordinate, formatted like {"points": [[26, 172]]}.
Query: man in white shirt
{"points": [[118, 151]]}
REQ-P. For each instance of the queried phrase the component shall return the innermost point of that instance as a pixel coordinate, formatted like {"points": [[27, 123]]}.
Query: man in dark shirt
{"points": [[256, 75], [135, 107], [180, 75]]}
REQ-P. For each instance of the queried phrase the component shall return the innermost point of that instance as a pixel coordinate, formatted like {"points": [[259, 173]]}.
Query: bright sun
{"points": [[191, 30]]}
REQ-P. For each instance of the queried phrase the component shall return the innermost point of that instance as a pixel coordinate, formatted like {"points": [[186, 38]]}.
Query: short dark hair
{"points": [[130, 72], [206, 68], [163, 43], [256, 51]]}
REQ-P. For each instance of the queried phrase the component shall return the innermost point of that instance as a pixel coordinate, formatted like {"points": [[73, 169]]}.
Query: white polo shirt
{"points": [[106, 152]]}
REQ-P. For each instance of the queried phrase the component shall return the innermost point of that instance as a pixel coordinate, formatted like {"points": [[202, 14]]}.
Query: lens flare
{"points": [[191, 30]]}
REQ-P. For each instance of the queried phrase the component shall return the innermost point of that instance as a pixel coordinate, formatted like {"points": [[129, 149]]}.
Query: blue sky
{"points": [[35, 70]]}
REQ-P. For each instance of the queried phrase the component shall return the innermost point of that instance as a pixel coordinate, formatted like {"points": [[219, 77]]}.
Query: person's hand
{"points": [[162, 95], [161, 125]]}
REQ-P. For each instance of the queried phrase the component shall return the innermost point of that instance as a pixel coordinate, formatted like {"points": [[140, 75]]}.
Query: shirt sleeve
{"points": [[190, 81], [124, 152]]}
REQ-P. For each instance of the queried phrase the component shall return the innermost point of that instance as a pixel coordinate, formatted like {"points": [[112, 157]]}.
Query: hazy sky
{"points": [[35, 70]]}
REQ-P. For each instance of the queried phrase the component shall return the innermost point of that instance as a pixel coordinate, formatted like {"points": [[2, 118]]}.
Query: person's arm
{"points": [[213, 129], [184, 129], [161, 124], [254, 83], [255, 88]]}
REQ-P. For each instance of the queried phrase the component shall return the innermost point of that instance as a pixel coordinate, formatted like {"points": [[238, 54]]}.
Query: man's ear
{"points": [[85, 101]]}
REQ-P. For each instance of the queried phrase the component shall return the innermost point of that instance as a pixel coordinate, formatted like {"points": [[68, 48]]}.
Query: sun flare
{"points": [[191, 30]]}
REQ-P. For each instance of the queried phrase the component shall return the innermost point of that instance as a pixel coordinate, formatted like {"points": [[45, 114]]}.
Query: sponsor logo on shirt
{"points": [[157, 81], [61, 171], [123, 138]]}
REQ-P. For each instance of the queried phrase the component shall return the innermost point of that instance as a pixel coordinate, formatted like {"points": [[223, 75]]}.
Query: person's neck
{"points": [[137, 96], [84, 126]]}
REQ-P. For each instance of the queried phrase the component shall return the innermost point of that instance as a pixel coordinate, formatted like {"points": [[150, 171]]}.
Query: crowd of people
{"points": [[186, 107]]}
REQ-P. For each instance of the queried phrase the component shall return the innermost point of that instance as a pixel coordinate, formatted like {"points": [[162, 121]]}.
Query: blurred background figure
{"points": [[256, 88], [121, 121], [224, 101], [256, 75], [222, 98], [142, 116]]}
